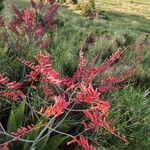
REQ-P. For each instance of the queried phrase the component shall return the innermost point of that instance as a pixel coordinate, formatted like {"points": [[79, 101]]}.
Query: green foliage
{"points": [[55, 141], [16, 117], [1, 5]]}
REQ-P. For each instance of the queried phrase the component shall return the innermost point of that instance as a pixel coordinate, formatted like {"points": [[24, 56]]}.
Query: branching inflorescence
{"points": [[63, 93], [29, 26], [66, 93]]}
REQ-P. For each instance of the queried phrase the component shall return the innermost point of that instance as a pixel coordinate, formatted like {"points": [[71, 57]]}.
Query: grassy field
{"points": [[124, 23], [74, 28], [132, 7]]}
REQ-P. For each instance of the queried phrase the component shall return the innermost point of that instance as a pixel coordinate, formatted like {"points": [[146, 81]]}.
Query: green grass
{"points": [[72, 30], [130, 114], [132, 7]]}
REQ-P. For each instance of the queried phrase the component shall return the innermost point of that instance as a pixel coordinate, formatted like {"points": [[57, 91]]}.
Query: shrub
{"points": [[62, 97], [29, 29], [47, 100], [61, 1]]}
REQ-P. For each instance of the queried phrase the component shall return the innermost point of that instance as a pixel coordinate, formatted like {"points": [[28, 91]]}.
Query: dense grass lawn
{"points": [[122, 23]]}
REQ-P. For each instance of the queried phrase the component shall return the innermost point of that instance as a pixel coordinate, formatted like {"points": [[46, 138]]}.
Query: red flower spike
{"points": [[107, 88], [111, 79], [3, 79], [12, 89], [87, 94], [49, 16], [23, 130], [57, 109], [93, 116], [83, 142], [107, 63], [32, 76], [43, 60], [13, 27], [13, 85], [13, 95], [1, 22], [28, 20], [47, 91], [38, 32], [17, 12]]}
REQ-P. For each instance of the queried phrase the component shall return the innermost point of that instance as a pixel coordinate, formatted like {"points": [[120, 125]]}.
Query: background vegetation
{"points": [[119, 24]]}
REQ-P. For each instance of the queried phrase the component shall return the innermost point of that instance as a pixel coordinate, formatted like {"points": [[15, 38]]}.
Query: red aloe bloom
{"points": [[13, 27], [38, 32], [13, 95], [1, 21], [107, 63], [94, 118], [49, 16], [111, 79], [43, 60], [97, 120], [4, 147], [88, 94], [82, 141], [57, 109], [3, 79], [23, 130], [18, 12], [107, 88], [32, 76], [47, 91], [13, 85]]}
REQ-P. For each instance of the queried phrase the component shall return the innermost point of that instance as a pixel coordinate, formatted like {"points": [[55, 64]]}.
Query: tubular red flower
{"points": [[83, 142], [107, 88], [13, 85], [57, 109], [87, 94], [13, 95], [107, 63]]}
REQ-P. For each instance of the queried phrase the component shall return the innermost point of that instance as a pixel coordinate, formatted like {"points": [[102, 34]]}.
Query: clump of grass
{"points": [[130, 108], [1, 5]]}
